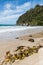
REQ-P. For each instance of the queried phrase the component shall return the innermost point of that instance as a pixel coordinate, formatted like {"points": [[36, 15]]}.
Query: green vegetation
{"points": [[32, 17]]}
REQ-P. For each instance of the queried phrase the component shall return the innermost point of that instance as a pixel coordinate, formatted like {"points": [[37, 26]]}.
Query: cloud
{"points": [[41, 4], [8, 13], [9, 17], [8, 6], [19, 9], [27, 4]]}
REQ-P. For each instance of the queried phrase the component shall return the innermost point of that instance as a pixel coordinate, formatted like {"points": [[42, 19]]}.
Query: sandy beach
{"points": [[21, 32], [11, 45]]}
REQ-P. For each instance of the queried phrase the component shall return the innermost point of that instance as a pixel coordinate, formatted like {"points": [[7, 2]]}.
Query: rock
{"points": [[31, 40]]}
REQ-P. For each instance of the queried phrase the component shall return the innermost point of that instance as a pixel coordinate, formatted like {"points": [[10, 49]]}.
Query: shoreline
{"points": [[18, 33]]}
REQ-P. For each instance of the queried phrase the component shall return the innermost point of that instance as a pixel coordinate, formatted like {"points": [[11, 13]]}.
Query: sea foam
{"points": [[14, 28]]}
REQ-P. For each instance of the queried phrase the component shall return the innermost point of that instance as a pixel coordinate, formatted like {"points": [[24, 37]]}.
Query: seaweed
{"points": [[23, 52]]}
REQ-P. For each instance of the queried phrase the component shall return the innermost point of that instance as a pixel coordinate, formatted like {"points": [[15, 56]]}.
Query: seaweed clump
{"points": [[23, 52]]}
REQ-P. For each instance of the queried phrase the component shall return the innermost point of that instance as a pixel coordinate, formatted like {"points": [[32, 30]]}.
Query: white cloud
{"points": [[27, 4], [9, 14], [7, 6], [10, 17], [18, 9], [41, 4]]}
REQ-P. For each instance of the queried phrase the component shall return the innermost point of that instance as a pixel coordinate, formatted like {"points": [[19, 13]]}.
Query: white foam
{"points": [[15, 28], [12, 32]]}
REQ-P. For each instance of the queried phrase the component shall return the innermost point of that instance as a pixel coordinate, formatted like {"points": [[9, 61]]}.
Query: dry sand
{"points": [[35, 59]]}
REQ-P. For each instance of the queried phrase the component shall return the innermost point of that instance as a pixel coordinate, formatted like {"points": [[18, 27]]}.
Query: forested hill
{"points": [[32, 17]]}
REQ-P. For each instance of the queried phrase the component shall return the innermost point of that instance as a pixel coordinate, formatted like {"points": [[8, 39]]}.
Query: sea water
{"points": [[11, 32]]}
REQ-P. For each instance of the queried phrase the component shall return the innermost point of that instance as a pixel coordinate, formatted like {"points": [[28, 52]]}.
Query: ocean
{"points": [[11, 32]]}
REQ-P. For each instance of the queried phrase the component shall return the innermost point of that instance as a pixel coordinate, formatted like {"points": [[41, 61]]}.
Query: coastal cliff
{"points": [[33, 16]]}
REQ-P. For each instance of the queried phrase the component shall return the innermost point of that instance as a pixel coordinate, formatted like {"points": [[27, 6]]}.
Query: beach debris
{"points": [[21, 56], [20, 48], [31, 40], [24, 51], [8, 59], [15, 56]]}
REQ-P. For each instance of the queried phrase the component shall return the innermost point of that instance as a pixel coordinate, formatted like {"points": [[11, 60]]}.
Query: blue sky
{"points": [[10, 10]]}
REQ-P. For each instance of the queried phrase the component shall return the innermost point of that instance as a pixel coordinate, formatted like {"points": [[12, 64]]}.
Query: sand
{"points": [[11, 45]]}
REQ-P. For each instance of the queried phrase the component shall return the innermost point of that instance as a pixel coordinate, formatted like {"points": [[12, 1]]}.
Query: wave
{"points": [[16, 28]]}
